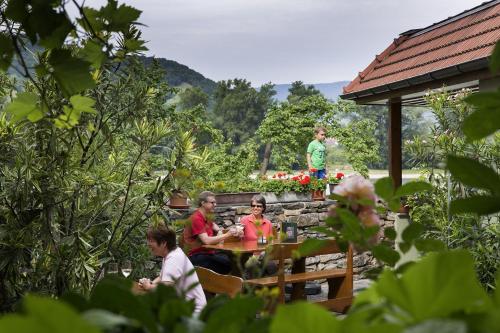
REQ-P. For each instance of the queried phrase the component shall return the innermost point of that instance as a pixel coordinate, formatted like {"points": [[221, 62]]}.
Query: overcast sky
{"points": [[281, 41]]}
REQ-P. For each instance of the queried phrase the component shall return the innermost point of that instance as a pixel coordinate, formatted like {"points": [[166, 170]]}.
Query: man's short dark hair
{"points": [[203, 197], [162, 234]]}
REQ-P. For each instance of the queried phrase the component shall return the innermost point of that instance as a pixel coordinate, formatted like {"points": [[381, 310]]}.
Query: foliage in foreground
{"points": [[480, 234], [452, 301]]}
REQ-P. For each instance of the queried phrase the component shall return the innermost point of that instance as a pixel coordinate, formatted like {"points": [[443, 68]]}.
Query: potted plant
{"points": [[334, 180], [179, 196], [317, 187], [285, 188], [234, 191]]}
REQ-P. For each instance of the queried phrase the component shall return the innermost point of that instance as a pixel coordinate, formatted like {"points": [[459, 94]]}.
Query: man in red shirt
{"points": [[203, 231]]}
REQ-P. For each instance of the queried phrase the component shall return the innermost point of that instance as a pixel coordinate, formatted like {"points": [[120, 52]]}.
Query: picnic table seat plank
{"points": [[299, 277], [340, 280]]}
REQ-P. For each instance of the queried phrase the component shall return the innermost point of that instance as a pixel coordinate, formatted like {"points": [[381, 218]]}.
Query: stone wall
{"points": [[307, 215]]}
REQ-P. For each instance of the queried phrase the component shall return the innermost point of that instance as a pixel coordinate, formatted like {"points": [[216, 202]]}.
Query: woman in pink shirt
{"points": [[256, 225]]}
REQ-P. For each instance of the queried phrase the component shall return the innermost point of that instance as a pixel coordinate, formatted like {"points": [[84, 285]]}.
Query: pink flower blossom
{"points": [[356, 187]]}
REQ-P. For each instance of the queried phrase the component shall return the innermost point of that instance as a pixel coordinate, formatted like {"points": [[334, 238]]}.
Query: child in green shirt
{"points": [[316, 154]]}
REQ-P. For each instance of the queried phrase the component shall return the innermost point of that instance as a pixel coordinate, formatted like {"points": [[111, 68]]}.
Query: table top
{"points": [[241, 247]]}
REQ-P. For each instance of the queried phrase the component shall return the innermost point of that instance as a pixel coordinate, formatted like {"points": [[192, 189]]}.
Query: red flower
{"points": [[274, 176], [295, 178], [306, 180], [339, 175], [313, 169]]}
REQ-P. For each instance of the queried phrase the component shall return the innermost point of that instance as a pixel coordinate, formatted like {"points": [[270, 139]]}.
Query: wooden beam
{"points": [[395, 147]]}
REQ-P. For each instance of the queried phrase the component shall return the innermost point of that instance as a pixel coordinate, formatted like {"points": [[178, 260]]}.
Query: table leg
{"points": [[299, 266]]}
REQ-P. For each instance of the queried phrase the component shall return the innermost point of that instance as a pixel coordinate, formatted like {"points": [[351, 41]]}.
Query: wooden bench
{"points": [[215, 283], [340, 280]]}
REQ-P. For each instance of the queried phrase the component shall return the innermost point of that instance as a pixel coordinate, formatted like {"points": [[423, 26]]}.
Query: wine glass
{"points": [[239, 227], [126, 268], [112, 268]]}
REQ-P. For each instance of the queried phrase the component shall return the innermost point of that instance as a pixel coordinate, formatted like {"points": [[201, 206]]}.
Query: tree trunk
{"points": [[265, 161]]}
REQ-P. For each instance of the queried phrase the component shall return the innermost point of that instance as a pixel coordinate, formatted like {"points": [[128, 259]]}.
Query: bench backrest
{"points": [[216, 283]]}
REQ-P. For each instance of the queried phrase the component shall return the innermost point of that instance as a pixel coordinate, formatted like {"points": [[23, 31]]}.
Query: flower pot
{"points": [[332, 187], [404, 209], [234, 198], [318, 195], [178, 200]]}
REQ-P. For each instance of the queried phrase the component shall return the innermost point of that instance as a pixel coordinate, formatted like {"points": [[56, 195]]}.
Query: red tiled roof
{"points": [[457, 40]]}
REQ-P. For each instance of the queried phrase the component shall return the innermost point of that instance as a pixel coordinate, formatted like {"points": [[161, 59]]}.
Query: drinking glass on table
{"points": [[112, 268], [126, 268], [239, 228]]}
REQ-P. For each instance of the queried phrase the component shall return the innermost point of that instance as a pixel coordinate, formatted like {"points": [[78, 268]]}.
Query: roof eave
{"points": [[439, 74]]}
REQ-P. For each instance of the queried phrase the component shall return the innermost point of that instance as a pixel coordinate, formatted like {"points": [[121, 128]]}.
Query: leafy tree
{"points": [[192, 97], [298, 91], [75, 181], [413, 125], [290, 127], [239, 108], [481, 235]]}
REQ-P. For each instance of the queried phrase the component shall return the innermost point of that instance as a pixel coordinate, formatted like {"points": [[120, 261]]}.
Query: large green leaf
{"points": [[438, 325], [119, 17], [486, 119], [104, 319], [6, 52], [303, 317], [92, 52], [480, 204], [351, 224], [234, 315], [51, 26], [172, 310], [25, 106], [83, 104], [473, 173], [412, 188], [115, 296], [46, 315], [429, 245], [390, 233], [71, 73], [311, 245], [441, 284], [17, 10], [71, 115], [386, 254], [412, 232], [384, 187]]}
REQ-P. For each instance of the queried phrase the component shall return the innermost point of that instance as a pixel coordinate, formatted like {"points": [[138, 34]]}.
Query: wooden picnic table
{"points": [[244, 250]]}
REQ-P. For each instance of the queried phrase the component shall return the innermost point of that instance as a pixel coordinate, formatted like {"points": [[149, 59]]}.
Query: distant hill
{"points": [[330, 90], [180, 75]]}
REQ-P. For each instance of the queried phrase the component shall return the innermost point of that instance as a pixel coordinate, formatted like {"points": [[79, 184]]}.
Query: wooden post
{"points": [[395, 148]]}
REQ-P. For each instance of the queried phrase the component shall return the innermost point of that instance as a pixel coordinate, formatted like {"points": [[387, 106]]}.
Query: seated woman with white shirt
{"points": [[176, 269]]}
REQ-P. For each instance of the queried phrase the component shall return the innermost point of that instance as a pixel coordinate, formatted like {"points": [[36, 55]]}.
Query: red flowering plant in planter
{"points": [[282, 182], [334, 180], [317, 188]]}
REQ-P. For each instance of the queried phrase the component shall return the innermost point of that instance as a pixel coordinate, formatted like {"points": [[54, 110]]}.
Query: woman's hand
{"points": [[146, 284]]}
